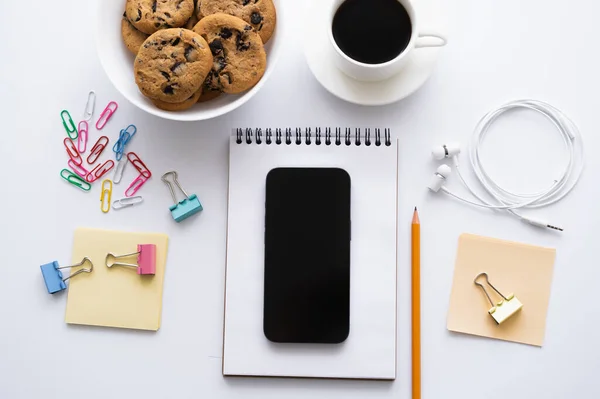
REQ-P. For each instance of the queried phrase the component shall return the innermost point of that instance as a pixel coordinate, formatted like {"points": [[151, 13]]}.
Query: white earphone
{"points": [[500, 198]]}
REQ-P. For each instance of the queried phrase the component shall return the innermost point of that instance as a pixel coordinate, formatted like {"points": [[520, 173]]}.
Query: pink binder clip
{"points": [[83, 136], [106, 115], [72, 151], [135, 186], [99, 171], [146, 258], [79, 169], [97, 149]]}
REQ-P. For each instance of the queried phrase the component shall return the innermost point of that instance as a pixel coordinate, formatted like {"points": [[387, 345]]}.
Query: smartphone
{"points": [[307, 255]]}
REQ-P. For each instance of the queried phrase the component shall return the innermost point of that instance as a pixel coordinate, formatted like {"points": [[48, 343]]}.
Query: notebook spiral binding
{"points": [[305, 136]]}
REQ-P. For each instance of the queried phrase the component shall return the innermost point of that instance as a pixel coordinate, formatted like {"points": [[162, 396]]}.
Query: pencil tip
{"points": [[415, 208]]}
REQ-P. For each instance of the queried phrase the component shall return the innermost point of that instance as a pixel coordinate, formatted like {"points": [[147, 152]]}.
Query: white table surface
{"points": [[499, 51]]}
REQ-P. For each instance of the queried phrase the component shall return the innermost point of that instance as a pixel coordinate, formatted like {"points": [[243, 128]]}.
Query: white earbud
{"points": [[438, 180], [446, 151]]}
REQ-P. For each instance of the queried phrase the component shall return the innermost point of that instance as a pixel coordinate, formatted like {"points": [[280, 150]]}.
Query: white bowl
{"points": [[117, 61]]}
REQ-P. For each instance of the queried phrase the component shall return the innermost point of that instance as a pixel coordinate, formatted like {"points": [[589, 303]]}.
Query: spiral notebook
{"points": [[370, 157]]}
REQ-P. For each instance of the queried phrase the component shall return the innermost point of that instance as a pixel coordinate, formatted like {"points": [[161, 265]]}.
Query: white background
{"points": [[499, 51]]}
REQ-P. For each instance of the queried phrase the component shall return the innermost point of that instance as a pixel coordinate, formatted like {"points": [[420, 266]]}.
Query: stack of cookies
{"points": [[191, 51]]}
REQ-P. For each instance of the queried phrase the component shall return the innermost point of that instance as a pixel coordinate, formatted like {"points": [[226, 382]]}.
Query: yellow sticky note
{"points": [[117, 296]]}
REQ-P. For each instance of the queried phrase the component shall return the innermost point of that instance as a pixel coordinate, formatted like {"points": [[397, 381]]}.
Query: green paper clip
{"points": [[75, 180], [71, 130]]}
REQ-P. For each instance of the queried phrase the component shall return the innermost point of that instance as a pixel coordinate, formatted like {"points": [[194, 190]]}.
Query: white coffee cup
{"points": [[377, 72]]}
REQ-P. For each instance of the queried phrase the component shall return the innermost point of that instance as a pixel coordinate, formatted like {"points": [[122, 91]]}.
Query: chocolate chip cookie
{"points": [[132, 37], [260, 14], [239, 58], [172, 64], [189, 103], [149, 16]]}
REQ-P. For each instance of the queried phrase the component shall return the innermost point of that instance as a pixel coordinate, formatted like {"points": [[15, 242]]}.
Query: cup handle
{"points": [[439, 40]]}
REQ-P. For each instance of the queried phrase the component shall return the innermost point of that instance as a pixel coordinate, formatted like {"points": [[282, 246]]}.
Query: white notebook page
{"points": [[370, 350]]}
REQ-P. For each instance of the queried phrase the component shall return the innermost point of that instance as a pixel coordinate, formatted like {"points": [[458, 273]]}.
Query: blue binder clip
{"points": [[181, 210], [53, 276]]}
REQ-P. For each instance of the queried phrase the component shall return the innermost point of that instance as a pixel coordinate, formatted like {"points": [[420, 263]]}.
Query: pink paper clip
{"points": [[72, 151], [110, 109], [99, 171], [97, 149], [83, 136], [139, 165], [79, 169], [146, 259], [135, 186]]}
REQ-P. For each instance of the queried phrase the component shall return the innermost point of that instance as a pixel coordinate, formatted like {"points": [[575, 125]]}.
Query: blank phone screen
{"points": [[307, 255]]}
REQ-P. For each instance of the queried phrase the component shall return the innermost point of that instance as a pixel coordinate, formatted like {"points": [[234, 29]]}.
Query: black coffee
{"points": [[372, 31]]}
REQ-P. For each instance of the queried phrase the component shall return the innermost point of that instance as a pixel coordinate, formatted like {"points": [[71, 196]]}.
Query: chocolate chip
{"points": [[167, 15], [261, 26], [239, 43], [154, 6], [163, 43], [246, 2], [168, 89], [248, 27], [216, 46], [188, 53], [166, 75], [228, 76], [219, 64], [179, 4], [175, 41], [125, 14], [256, 18], [139, 15], [157, 24], [225, 33], [175, 66]]}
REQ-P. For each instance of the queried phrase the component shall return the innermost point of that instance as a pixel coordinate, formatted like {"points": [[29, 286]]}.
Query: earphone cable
{"points": [[508, 200]]}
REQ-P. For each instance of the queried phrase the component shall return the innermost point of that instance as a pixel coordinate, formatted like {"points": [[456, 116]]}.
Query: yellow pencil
{"points": [[416, 306]]}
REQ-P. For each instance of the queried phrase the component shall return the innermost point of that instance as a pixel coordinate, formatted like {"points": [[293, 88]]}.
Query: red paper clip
{"points": [[83, 136], [110, 109], [139, 165], [97, 149], [79, 169], [72, 151], [99, 171], [135, 186]]}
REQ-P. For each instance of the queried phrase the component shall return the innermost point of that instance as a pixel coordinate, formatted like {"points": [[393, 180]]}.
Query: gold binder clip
{"points": [[508, 306]]}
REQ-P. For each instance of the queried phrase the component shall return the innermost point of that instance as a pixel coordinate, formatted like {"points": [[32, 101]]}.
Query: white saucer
{"points": [[318, 52]]}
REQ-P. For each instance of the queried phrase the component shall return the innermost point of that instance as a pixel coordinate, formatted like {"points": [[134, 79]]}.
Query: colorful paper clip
{"points": [[139, 165], [97, 149], [72, 151], [88, 113], [75, 180], [79, 169], [108, 112], [125, 137], [119, 170], [135, 186], [127, 202], [68, 124], [99, 171], [146, 258], [185, 208], [83, 136], [106, 195], [53, 276]]}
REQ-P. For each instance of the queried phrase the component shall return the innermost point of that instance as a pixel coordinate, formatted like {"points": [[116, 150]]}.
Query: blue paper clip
{"points": [[181, 210], [53, 276], [124, 138]]}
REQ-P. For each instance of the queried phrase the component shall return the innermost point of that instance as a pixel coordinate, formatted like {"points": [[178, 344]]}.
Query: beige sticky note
{"points": [[520, 269], [116, 297]]}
